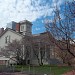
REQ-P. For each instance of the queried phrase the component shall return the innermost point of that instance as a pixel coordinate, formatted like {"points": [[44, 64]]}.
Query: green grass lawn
{"points": [[54, 70]]}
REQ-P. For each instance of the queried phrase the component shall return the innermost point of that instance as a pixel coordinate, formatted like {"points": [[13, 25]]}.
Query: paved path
{"points": [[70, 73], [17, 73]]}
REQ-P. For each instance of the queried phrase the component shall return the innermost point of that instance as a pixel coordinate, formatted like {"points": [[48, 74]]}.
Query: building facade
{"points": [[11, 25], [40, 49]]}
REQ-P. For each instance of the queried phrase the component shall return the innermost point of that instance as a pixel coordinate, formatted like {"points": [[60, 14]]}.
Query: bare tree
{"points": [[41, 48], [13, 49], [62, 30], [27, 49], [39, 52]]}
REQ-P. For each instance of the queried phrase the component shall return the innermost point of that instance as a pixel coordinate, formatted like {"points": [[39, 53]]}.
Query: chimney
{"points": [[17, 27], [1, 30]]}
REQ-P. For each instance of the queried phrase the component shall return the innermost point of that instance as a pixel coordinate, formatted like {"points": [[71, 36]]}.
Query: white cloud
{"points": [[37, 29], [17, 10]]}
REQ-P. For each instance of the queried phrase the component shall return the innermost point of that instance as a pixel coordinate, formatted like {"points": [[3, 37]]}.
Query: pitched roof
{"points": [[8, 29], [25, 21]]}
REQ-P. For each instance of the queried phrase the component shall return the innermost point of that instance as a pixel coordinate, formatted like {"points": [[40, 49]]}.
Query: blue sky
{"points": [[38, 25], [35, 11]]}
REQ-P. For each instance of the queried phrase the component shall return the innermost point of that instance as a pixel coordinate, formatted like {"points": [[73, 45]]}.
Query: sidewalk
{"points": [[17, 73]]}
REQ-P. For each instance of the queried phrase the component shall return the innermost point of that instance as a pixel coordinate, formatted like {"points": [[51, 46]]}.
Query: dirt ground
{"points": [[70, 73]]}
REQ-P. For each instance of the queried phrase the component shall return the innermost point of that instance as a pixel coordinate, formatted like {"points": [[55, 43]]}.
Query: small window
{"points": [[7, 39], [22, 28]]}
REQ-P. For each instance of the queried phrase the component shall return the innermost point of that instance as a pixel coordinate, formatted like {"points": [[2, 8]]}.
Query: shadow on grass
{"points": [[45, 69]]}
